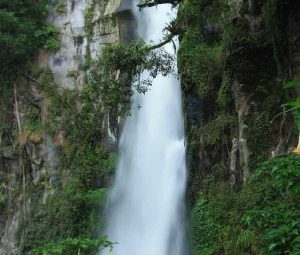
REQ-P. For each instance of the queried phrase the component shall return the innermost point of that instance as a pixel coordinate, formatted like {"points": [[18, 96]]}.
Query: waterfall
{"points": [[145, 214]]}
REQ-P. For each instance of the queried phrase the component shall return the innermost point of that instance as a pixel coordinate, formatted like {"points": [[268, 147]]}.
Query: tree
{"points": [[121, 65], [22, 32]]}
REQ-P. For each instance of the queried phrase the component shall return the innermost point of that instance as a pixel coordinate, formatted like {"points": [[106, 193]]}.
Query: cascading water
{"points": [[145, 214]]}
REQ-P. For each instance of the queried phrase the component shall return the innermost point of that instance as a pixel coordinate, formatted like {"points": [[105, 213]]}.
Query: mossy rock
{"points": [[251, 58]]}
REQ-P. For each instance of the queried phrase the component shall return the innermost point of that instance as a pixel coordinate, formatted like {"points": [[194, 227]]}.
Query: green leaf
{"points": [[293, 83]]}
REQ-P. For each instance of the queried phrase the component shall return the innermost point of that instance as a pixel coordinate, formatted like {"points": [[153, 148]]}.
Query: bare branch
{"points": [[17, 108]]}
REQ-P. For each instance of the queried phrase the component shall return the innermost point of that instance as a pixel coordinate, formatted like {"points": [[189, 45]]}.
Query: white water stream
{"points": [[145, 214]]}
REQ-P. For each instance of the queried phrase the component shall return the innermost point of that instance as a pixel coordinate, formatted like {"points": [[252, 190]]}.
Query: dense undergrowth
{"points": [[261, 218]]}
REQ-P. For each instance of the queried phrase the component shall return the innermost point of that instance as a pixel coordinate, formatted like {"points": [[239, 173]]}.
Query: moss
{"points": [[30, 132], [33, 113], [3, 190], [189, 12], [258, 133], [88, 20], [60, 8], [199, 64], [31, 126], [213, 131], [219, 172], [249, 54], [73, 74], [224, 98]]}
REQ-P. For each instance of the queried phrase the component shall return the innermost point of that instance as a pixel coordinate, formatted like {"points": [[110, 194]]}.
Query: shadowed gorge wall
{"points": [[235, 58]]}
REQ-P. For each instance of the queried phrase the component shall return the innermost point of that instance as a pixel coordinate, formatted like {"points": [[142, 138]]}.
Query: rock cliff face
{"points": [[233, 61], [30, 153]]}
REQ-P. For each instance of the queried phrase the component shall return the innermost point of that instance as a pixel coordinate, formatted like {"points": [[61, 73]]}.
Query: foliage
{"points": [[22, 32], [284, 172], [259, 128], [72, 211], [214, 11], [203, 234], [52, 42], [2, 199], [121, 65], [213, 132], [293, 105], [97, 197], [245, 47], [71, 246], [88, 20], [60, 8], [30, 131], [224, 94], [262, 218], [202, 73], [74, 120], [292, 83]]}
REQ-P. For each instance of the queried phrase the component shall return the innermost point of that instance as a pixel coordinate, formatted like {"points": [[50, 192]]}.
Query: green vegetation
{"points": [[2, 197], [233, 60], [74, 122], [60, 8], [23, 32], [214, 131], [201, 73], [262, 218], [200, 53], [227, 55], [121, 65], [73, 246], [88, 20], [294, 105]]}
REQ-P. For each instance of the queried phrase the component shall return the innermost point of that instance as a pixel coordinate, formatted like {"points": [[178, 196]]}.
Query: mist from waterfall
{"points": [[145, 213]]}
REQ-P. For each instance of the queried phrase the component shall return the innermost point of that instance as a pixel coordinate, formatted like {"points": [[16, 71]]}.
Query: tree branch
{"points": [[157, 2], [31, 78], [161, 44], [17, 108]]}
